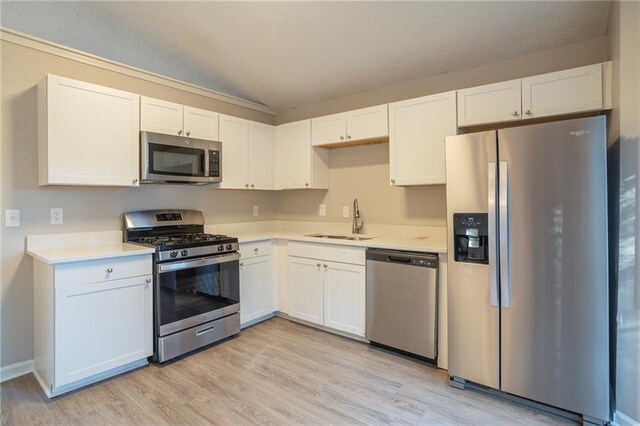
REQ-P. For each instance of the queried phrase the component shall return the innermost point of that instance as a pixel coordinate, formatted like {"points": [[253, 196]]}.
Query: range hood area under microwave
{"points": [[180, 160]]}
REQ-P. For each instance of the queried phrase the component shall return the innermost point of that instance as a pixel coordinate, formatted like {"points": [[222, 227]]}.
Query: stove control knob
{"points": [[220, 247], [229, 247], [173, 254], [184, 253]]}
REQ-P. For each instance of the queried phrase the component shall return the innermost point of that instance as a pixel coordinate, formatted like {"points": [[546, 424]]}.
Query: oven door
{"points": [[192, 292]]}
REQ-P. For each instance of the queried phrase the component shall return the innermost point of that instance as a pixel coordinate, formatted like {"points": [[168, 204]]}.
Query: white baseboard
{"points": [[621, 419], [16, 370]]}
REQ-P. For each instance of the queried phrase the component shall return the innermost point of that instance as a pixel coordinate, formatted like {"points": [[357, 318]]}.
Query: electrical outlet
{"points": [[345, 211], [322, 211], [57, 216], [12, 218], [256, 210]]}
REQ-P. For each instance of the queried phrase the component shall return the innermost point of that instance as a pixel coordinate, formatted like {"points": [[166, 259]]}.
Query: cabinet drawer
{"points": [[92, 271], [335, 253], [255, 249]]}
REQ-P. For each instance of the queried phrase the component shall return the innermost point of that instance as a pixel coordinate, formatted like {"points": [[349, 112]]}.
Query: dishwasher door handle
{"points": [[397, 259]]}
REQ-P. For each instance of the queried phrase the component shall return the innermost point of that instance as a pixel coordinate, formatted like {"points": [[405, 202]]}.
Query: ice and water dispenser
{"points": [[471, 237]]}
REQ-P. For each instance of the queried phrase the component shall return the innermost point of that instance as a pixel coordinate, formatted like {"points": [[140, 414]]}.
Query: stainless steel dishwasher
{"points": [[402, 301]]}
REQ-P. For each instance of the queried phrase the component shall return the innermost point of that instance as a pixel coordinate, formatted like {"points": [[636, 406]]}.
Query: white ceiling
{"points": [[290, 54]]}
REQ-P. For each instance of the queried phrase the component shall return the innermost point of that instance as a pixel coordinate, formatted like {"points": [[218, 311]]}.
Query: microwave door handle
{"points": [[204, 261]]}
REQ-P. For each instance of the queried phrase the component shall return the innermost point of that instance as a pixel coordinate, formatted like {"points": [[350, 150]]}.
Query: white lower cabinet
{"points": [[256, 289], [92, 319], [325, 291]]}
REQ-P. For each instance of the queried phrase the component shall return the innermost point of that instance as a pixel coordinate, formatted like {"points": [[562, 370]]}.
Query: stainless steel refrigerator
{"points": [[527, 270]]}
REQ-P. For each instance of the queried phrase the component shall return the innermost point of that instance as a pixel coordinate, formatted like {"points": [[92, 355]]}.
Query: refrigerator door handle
{"points": [[505, 261], [493, 258]]}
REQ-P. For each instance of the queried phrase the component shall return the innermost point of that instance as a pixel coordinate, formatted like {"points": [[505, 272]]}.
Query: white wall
{"points": [[624, 166]]}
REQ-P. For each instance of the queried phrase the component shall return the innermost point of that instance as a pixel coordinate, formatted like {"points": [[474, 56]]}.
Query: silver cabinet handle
{"points": [[505, 273], [109, 270], [528, 112], [515, 113], [318, 265], [246, 185], [348, 137], [325, 266], [135, 180], [188, 132], [179, 132], [148, 280], [493, 260], [393, 181], [341, 138], [306, 184], [241, 263], [255, 250], [252, 185]]}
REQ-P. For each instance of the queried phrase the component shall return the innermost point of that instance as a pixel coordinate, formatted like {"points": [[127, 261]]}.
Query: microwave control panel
{"points": [[214, 163]]}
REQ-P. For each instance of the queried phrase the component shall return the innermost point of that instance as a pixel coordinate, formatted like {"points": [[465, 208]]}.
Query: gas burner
{"points": [[169, 240]]}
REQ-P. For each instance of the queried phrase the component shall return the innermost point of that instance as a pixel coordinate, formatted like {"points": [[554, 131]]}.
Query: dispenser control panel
{"points": [[471, 237]]}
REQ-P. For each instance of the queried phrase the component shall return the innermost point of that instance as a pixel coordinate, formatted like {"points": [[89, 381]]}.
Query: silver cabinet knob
{"points": [[528, 112], [325, 266], [318, 265], [109, 270], [306, 184], [179, 132], [348, 137], [135, 180], [341, 138], [515, 113], [246, 185], [241, 263], [252, 185], [188, 132], [393, 181], [255, 249], [148, 280]]}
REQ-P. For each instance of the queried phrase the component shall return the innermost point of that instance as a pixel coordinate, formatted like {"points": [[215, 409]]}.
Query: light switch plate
{"points": [[256, 210], [57, 216], [322, 211], [345, 211], [12, 218]]}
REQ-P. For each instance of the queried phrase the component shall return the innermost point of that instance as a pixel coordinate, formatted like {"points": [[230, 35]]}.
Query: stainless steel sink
{"points": [[340, 237]]}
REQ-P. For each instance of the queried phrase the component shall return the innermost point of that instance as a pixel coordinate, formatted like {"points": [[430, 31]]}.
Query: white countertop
{"points": [[76, 247]]}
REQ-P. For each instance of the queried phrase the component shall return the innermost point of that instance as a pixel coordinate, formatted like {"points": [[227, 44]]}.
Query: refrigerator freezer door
{"points": [[473, 312], [555, 344]]}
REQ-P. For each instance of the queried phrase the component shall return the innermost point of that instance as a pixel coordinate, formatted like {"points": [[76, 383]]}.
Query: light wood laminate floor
{"points": [[277, 372]]}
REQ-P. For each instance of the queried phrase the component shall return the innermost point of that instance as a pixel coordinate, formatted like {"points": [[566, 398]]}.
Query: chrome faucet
{"points": [[356, 228]]}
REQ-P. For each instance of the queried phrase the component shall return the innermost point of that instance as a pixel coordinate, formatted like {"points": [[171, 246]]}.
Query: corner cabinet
{"points": [[87, 134], [327, 286], [298, 164], [92, 319], [169, 118], [257, 296], [417, 130]]}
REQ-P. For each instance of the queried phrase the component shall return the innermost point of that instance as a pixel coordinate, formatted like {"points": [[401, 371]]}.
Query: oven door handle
{"points": [[195, 263]]}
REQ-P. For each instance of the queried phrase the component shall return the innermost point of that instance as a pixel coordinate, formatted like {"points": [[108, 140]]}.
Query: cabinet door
{"points": [[200, 123], [88, 134], [418, 128], [160, 116], [368, 123], [344, 297], [328, 130], [293, 155], [261, 159], [564, 92], [235, 152], [256, 288], [492, 103], [101, 326], [305, 278]]}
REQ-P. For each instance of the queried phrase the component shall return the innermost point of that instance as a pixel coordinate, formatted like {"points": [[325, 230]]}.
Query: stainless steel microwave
{"points": [[176, 159]]}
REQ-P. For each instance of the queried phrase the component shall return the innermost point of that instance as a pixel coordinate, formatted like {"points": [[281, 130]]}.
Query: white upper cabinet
{"points": [[234, 135], [298, 164], [170, 118], [563, 92], [417, 130], [492, 103], [200, 123], [571, 91], [262, 139], [350, 127], [87, 134]]}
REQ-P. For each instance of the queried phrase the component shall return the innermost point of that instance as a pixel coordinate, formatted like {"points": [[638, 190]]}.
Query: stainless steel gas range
{"points": [[196, 280]]}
